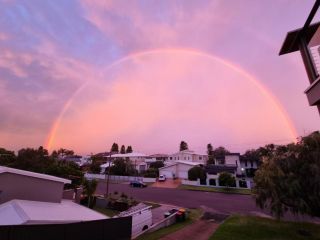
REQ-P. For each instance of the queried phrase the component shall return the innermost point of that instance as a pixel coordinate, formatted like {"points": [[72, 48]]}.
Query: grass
{"points": [[257, 228], [193, 215], [106, 211], [220, 190], [152, 204]]}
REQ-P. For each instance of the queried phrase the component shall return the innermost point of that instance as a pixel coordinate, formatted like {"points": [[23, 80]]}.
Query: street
{"points": [[219, 202]]}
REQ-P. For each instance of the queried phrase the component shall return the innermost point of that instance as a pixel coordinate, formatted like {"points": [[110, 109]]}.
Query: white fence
{"points": [[249, 183], [149, 180], [115, 178]]}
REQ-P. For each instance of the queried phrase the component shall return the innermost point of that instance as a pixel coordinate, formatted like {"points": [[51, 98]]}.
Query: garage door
{"points": [[183, 174], [167, 173]]}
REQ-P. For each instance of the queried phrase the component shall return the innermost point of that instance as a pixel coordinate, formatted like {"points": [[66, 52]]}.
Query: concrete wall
{"points": [[14, 186]]}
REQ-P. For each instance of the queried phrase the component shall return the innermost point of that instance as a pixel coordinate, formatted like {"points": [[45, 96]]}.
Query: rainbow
{"points": [[52, 133]]}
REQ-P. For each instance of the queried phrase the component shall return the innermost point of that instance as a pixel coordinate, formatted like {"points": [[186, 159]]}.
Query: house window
{"points": [[200, 158], [251, 163], [170, 158], [246, 163]]}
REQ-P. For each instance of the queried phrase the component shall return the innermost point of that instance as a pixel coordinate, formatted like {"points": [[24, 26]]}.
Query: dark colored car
{"points": [[137, 184]]}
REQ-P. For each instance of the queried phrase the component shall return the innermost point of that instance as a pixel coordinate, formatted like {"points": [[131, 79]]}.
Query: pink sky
{"points": [[150, 74]]}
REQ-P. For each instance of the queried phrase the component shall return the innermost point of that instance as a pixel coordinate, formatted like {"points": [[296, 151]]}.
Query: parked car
{"points": [[137, 184], [162, 178]]}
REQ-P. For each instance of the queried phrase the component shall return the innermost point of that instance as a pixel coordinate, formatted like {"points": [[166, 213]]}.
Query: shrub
{"points": [[196, 173], [151, 173], [227, 180]]}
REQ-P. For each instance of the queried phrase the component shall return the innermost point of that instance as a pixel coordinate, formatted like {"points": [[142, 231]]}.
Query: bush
{"points": [[196, 173], [151, 173], [227, 180], [157, 164]]}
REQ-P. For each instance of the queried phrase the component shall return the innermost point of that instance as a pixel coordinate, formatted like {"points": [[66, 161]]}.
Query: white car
{"points": [[162, 178]]}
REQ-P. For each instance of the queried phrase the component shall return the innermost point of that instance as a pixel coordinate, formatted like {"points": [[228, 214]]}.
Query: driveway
{"points": [[158, 213]]}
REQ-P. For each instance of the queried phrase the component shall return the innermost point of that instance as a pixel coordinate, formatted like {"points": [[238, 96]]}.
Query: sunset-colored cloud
{"points": [[62, 60]]}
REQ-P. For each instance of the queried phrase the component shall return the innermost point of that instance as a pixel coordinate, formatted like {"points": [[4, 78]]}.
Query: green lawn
{"points": [[194, 215], [257, 228], [106, 211], [212, 189]]}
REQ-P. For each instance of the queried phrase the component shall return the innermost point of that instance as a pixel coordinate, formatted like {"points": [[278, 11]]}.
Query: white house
{"points": [[189, 156], [178, 169], [137, 159]]}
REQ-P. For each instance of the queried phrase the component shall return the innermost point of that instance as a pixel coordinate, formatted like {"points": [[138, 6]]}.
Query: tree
{"points": [[289, 178], [115, 148], [7, 157], [89, 188], [129, 149], [62, 153], [123, 149], [196, 172], [183, 146], [157, 164], [151, 173], [122, 167], [95, 167], [227, 180], [220, 152], [210, 154]]}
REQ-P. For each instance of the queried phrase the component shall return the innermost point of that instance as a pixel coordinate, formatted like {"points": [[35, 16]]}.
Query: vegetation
{"points": [[220, 153], [89, 188], [210, 154], [129, 149], [183, 146], [257, 228], [123, 149], [122, 167], [115, 148], [215, 189], [39, 160], [194, 215], [289, 178], [227, 180], [106, 211], [151, 173], [157, 164], [196, 172]]}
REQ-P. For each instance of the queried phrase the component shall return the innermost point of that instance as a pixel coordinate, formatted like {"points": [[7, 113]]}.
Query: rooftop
{"points": [[16, 212], [33, 174]]}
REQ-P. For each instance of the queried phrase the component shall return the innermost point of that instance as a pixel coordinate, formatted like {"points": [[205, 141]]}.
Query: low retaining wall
{"points": [[149, 180], [163, 223]]}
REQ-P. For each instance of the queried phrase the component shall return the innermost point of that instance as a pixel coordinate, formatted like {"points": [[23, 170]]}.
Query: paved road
{"points": [[219, 202]]}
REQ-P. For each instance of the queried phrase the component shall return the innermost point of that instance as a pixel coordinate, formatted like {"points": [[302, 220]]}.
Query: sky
{"points": [[82, 74]]}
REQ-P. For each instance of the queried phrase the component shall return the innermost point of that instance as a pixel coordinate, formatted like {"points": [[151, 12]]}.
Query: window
{"points": [[251, 163], [200, 158], [170, 158], [246, 163], [237, 162]]}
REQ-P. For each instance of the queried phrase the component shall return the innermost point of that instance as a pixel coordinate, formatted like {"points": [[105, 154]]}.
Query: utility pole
{"points": [[107, 191]]}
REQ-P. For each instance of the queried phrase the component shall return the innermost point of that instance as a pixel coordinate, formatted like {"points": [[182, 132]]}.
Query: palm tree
{"points": [[89, 188]]}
